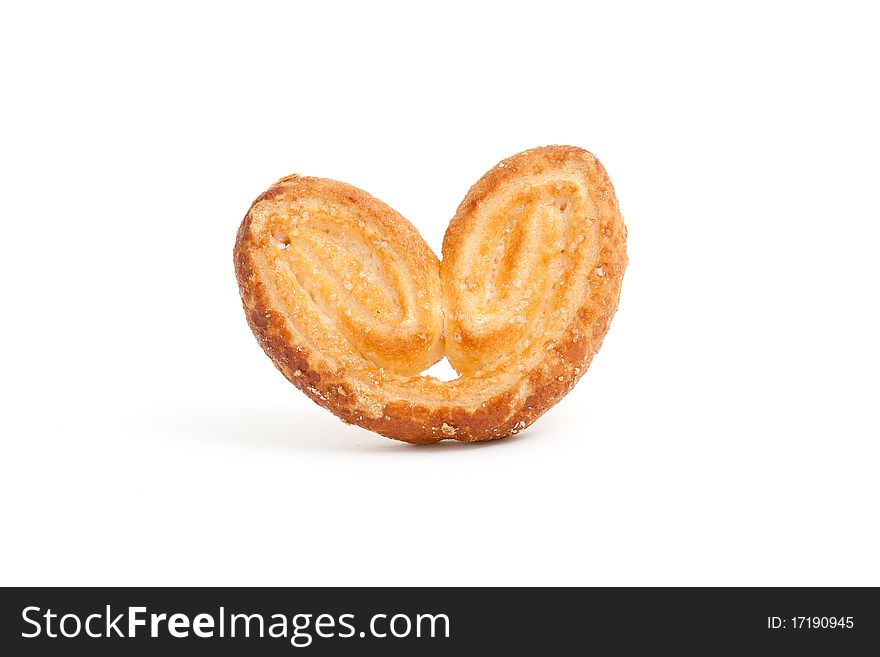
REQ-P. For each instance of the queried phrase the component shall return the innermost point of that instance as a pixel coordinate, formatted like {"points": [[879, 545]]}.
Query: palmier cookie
{"points": [[351, 304]]}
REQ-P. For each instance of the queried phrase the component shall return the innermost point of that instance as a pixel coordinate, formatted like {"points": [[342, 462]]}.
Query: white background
{"points": [[727, 433]]}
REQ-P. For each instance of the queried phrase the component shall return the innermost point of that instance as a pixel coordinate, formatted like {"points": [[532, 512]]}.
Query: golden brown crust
{"points": [[350, 303]]}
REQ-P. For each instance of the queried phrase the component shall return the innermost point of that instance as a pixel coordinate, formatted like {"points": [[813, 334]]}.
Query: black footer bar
{"points": [[186, 621]]}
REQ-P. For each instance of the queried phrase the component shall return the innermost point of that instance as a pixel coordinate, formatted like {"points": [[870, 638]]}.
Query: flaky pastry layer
{"points": [[351, 304]]}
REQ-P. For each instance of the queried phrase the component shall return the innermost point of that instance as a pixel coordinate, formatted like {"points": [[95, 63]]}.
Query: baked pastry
{"points": [[351, 304]]}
